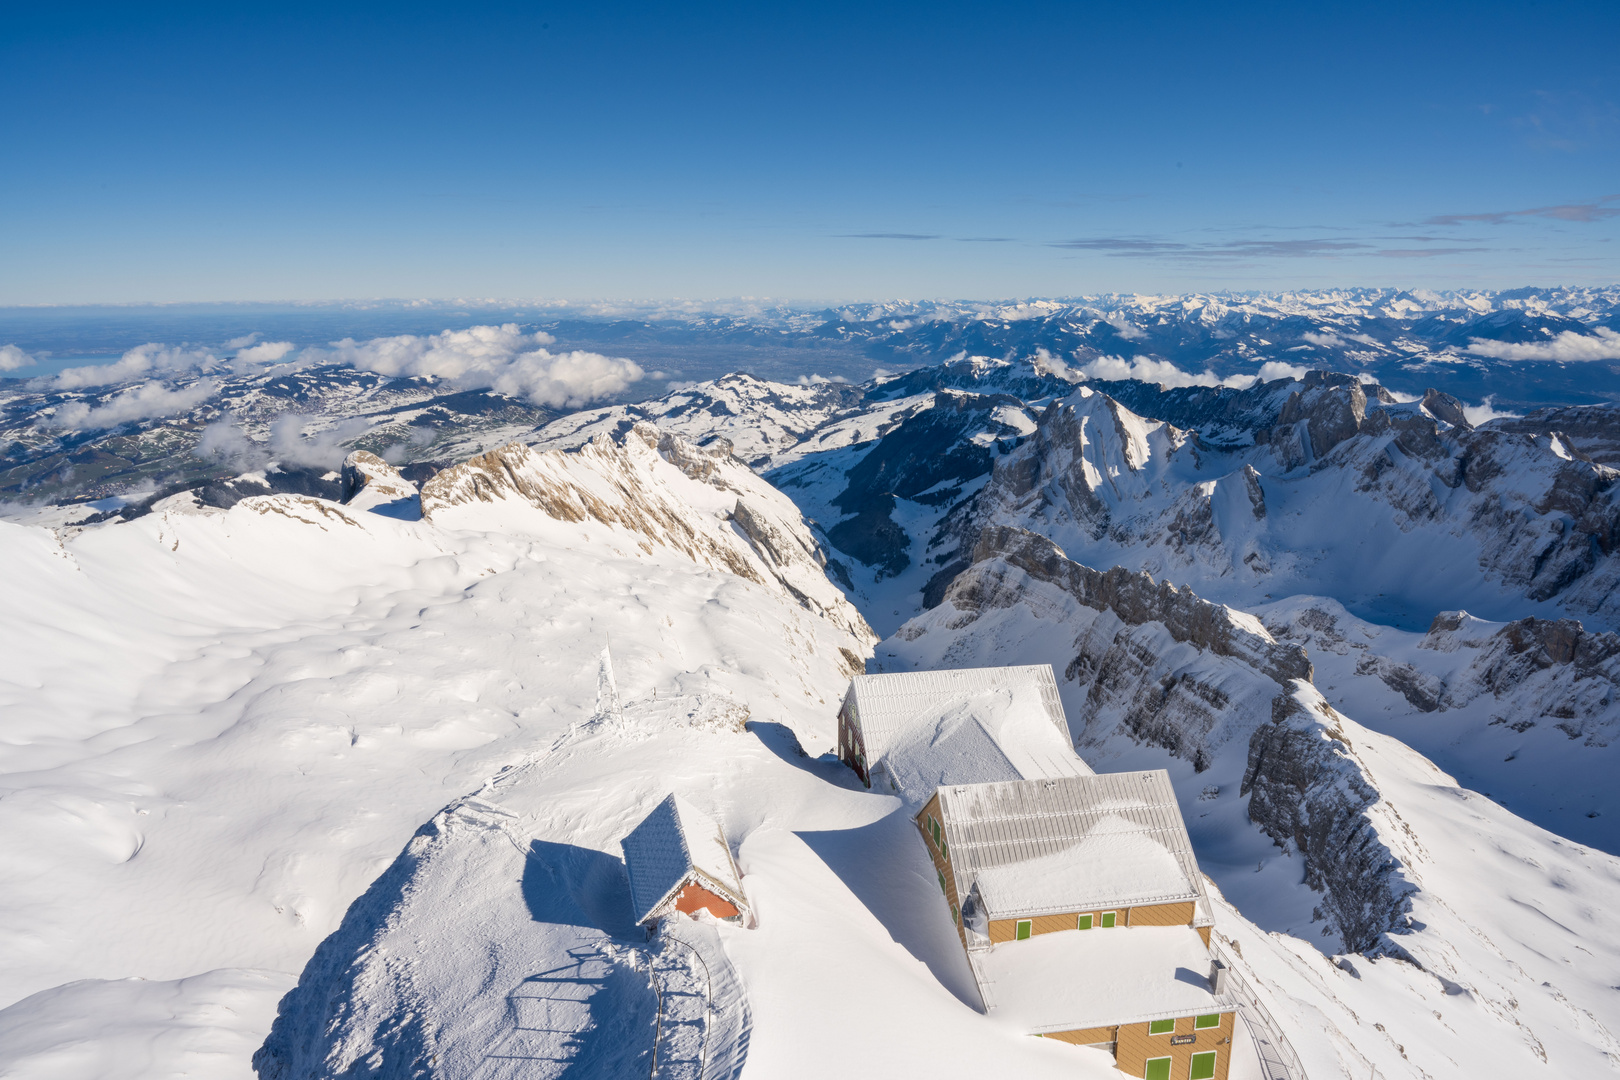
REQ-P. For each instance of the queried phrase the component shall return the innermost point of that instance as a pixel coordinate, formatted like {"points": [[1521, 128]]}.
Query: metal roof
{"points": [[672, 845], [887, 705], [1072, 843]]}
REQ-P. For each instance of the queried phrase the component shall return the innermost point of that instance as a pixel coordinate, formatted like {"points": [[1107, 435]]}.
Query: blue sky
{"points": [[161, 153]]}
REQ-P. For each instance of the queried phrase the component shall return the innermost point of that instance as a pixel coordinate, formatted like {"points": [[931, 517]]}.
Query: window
{"points": [[1107, 919], [941, 875], [1157, 1069], [1083, 923], [1161, 1027], [1203, 1066], [1209, 1020], [955, 917], [1022, 930]]}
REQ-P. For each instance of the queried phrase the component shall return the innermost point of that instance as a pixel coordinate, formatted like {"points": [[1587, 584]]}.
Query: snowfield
{"points": [[315, 788]]}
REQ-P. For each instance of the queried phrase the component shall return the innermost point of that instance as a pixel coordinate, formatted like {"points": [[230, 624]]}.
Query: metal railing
{"points": [[727, 1023], [1278, 1061]]}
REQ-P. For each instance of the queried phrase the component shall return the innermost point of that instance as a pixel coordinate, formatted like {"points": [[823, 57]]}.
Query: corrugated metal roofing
{"points": [[673, 843], [889, 704], [1000, 826]]}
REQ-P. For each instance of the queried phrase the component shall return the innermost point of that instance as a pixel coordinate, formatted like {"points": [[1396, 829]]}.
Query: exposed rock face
{"points": [[1170, 669], [1135, 598], [1445, 407], [1088, 455], [1112, 486], [1591, 431], [1328, 408], [1306, 788], [929, 457], [1549, 671], [661, 489], [370, 483]]}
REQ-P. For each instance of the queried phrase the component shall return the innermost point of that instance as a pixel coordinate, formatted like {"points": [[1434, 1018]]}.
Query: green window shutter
{"points": [[955, 917], [1108, 918], [1203, 1066], [1157, 1069], [1161, 1027], [1208, 1020], [1022, 930], [1084, 922], [941, 875]]}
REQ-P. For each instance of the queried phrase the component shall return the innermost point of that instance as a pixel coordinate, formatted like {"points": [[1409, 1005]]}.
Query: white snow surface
{"points": [[1114, 862], [999, 734], [1514, 932], [221, 728], [1075, 979]]}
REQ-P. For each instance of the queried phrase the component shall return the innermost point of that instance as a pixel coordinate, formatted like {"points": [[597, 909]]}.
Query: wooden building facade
{"points": [[1051, 883]]}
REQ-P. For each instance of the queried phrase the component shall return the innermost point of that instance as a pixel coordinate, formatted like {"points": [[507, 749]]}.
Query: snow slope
{"points": [[222, 726], [1484, 945]]}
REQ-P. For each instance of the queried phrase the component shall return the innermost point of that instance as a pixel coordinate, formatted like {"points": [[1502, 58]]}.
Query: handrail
{"points": [[1278, 1061], [708, 1002]]}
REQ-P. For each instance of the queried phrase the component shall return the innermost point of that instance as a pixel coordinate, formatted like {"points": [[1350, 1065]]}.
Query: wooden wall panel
{"points": [[1163, 915], [942, 865], [1050, 924], [1152, 915], [1135, 1046]]}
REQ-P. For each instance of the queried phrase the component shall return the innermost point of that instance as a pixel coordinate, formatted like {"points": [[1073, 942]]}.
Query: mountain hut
{"points": [[1084, 916], [916, 731], [679, 861]]}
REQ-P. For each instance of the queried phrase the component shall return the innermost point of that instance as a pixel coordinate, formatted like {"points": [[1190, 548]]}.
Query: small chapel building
{"points": [[679, 863]]}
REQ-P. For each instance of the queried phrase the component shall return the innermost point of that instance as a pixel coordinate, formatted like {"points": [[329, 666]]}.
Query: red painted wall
{"points": [[695, 897]]}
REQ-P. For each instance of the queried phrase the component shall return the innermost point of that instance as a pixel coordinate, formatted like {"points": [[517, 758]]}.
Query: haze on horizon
{"points": [[295, 152]]}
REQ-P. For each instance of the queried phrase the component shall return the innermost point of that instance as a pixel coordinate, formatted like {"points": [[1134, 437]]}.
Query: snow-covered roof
{"points": [[673, 844], [999, 734], [889, 706], [1076, 979], [1072, 843]]}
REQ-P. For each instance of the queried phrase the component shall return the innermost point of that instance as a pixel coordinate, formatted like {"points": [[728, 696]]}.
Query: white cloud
{"points": [[566, 380], [1047, 364], [12, 358], [292, 443], [1603, 344], [502, 358], [244, 341], [143, 361], [1485, 412], [270, 352], [294, 440], [820, 380], [1326, 341], [1127, 329], [1276, 369], [1163, 372], [141, 403], [225, 440]]}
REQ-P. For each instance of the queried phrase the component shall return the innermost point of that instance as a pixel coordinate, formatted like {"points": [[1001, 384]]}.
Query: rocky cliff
{"points": [[1408, 488], [1152, 664], [659, 488]]}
